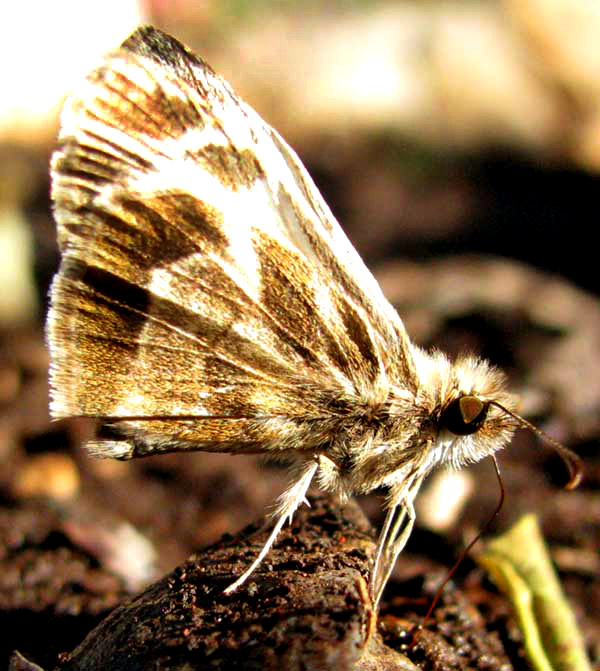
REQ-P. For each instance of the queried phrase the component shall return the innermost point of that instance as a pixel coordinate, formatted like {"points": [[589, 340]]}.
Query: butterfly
{"points": [[207, 299]]}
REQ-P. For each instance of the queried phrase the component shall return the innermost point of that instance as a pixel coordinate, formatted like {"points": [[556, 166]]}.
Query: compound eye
{"points": [[464, 415]]}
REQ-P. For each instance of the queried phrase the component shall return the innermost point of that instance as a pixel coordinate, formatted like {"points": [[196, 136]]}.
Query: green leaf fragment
{"points": [[520, 565]]}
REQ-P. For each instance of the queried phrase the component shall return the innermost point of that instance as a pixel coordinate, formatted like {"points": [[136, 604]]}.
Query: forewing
{"points": [[206, 296]]}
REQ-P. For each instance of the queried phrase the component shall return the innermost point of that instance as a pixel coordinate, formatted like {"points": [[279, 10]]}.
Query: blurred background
{"points": [[458, 143]]}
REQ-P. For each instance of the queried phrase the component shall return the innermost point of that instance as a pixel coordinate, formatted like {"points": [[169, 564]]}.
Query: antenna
{"points": [[572, 461]]}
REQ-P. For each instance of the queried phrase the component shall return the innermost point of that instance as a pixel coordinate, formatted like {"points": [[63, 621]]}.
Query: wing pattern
{"points": [[207, 297]]}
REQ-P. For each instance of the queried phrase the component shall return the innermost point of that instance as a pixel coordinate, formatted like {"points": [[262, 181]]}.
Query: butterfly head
{"points": [[474, 414], [467, 407]]}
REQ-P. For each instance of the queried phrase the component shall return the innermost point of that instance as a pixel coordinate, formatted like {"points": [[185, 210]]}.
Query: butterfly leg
{"points": [[289, 502], [395, 532]]}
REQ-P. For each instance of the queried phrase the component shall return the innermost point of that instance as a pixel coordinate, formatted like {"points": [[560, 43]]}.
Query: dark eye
{"points": [[465, 415]]}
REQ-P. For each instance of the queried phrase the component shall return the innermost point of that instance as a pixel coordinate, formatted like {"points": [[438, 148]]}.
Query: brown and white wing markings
{"points": [[206, 296]]}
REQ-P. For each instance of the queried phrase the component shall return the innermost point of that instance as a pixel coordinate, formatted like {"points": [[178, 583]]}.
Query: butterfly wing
{"points": [[206, 298]]}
